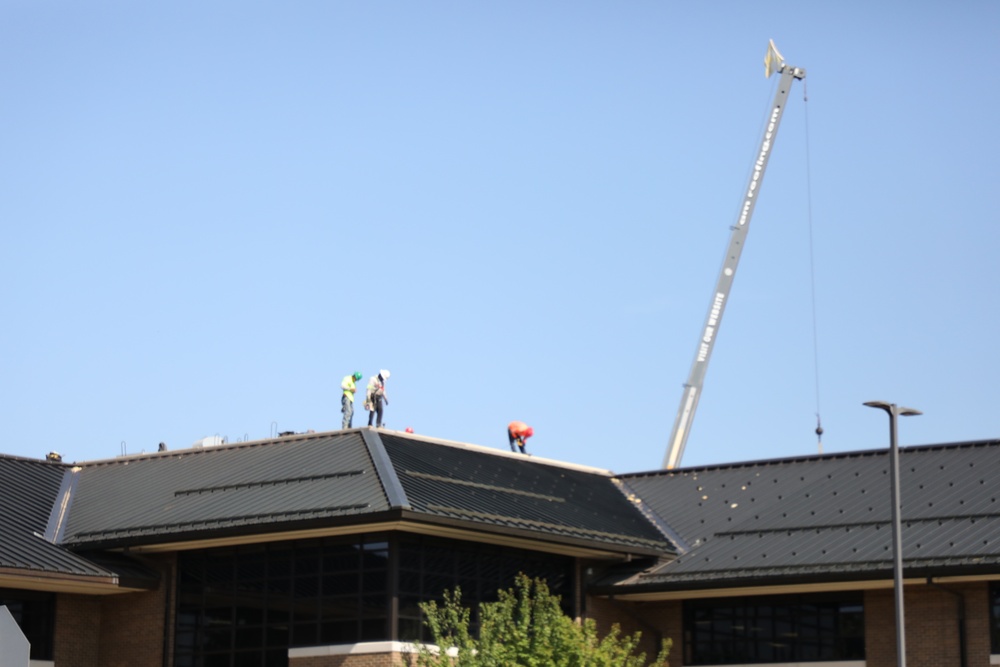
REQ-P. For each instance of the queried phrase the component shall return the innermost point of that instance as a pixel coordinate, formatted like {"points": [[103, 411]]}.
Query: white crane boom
{"points": [[773, 62]]}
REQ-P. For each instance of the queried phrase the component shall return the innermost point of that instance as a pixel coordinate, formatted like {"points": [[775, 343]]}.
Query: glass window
{"points": [[429, 566], [248, 604], [34, 613], [765, 629]]}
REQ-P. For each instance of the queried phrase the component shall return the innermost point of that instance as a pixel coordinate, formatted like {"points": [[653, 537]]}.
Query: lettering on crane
{"points": [[713, 315], [713, 321], [758, 167]]}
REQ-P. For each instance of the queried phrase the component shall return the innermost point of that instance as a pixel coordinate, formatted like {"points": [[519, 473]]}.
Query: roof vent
{"points": [[210, 441]]}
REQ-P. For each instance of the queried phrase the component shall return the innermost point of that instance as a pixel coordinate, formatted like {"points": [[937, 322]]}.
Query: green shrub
{"points": [[525, 628]]}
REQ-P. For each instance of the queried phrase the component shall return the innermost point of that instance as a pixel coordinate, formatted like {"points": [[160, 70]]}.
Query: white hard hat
{"points": [[384, 373]]}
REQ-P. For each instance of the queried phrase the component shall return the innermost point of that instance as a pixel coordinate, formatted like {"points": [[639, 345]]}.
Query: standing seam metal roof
{"points": [[28, 490], [276, 485], [811, 516], [247, 486], [828, 514], [518, 492]]}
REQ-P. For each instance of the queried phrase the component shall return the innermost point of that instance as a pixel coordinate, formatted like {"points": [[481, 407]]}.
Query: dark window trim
{"points": [[994, 615]]}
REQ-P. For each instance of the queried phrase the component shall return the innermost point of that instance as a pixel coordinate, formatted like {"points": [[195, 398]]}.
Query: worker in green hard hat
{"points": [[348, 384]]}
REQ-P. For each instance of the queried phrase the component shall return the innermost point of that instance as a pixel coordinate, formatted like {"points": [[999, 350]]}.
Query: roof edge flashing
{"points": [[56, 527], [499, 452], [651, 516], [386, 472]]}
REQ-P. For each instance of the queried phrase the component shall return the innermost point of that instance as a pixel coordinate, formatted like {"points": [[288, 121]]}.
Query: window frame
{"points": [[799, 627]]}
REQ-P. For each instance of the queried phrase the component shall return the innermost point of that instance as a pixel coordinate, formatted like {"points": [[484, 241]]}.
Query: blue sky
{"points": [[212, 212]]}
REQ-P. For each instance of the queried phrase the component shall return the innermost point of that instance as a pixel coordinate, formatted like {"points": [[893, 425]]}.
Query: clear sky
{"points": [[213, 211]]}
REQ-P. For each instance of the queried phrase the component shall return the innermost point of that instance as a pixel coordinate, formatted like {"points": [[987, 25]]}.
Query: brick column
{"points": [[932, 626], [77, 632]]}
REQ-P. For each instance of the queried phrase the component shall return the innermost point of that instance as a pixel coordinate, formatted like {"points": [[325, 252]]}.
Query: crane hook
{"points": [[819, 434]]}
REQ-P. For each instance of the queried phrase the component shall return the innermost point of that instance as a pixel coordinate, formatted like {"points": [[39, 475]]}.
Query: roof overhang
{"points": [[410, 523], [780, 589], [55, 582]]}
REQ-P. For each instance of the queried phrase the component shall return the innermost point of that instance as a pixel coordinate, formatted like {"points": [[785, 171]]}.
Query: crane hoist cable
{"points": [[812, 269]]}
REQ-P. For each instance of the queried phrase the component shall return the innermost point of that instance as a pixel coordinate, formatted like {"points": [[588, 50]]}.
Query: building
{"points": [[315, 550]]}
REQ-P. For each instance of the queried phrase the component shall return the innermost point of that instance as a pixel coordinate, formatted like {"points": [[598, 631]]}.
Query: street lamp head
{"points": [[893, 409]]}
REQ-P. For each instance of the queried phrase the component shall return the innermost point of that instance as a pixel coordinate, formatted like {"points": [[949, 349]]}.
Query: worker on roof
{"points": [[375, 396], [348, 384], [518, 432]]}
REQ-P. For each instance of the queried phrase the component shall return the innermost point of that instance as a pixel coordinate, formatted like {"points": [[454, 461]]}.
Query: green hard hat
{"points": [[357, 375]]}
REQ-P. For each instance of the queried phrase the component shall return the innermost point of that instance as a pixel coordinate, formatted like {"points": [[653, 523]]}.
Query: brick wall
{"points": [[121, 630], [132, 624], [132, 630], [78, 625], [977, 622], [656, 621], [932, 629], [669, 620]]}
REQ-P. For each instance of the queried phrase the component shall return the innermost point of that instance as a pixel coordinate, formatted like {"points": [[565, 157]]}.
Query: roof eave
{"points": [[62, 582], [840, 579], [533, 540], [238, 532], [391, 520]]}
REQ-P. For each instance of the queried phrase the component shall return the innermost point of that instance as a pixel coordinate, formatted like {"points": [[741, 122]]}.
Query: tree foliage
{"points": [[525, 628]]}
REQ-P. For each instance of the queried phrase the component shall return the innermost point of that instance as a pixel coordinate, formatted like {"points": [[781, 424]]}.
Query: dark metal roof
{"points": [[827, 515], [816, 518], [322, 479], [250, 487], [492, 488], [28, 491]]}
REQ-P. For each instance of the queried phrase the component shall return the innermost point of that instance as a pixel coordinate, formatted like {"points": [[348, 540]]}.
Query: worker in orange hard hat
{"points": [[518, 432]]}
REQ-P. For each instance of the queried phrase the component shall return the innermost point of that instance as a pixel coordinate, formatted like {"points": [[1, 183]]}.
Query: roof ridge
{"points": [[204, 450], [385, 469], [647, 511], [300, 437], [56, 527], [909, 449], [501, 453]]}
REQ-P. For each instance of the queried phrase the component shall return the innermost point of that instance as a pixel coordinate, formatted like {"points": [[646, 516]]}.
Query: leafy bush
{"points": [[525, 628]]}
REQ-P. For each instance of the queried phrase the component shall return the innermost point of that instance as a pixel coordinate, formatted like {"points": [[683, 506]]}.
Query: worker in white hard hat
{"points": [[375, 396]]}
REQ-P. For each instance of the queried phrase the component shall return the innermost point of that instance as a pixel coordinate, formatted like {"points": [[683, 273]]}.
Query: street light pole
{"points": [[895, 411]]}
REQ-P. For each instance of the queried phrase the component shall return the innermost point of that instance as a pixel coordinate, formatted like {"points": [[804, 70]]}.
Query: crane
{"points": [[773, 63]]}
